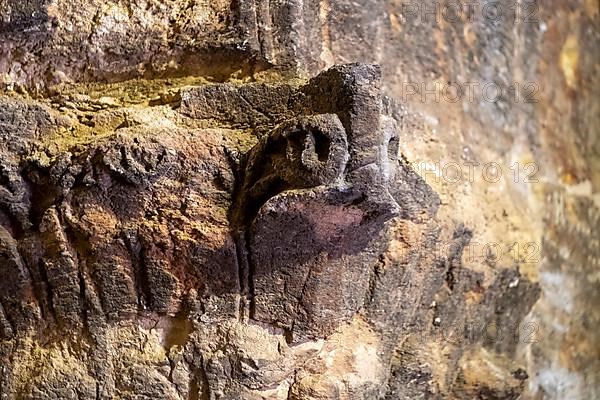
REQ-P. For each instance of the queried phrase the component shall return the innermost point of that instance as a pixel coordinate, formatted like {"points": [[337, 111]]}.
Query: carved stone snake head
{"points": [[341, 142], [316, 194]]}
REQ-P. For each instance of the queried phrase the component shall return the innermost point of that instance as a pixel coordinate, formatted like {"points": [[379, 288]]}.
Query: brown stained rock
{"points": [[179, 227], [213, 200], [51, 43], [55, 42], [186, 257]]}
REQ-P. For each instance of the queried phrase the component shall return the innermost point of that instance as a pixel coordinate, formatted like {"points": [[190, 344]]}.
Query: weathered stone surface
{"points": [[165, 228], [175, 224], [186, 214]]}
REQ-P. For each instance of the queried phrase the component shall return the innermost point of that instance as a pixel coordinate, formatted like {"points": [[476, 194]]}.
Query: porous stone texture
{"points": [[253, 200]]}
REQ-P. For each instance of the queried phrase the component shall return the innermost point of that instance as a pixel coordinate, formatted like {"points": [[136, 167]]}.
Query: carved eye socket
{"points": [[310, 150], [308, 146], [295, 144]]}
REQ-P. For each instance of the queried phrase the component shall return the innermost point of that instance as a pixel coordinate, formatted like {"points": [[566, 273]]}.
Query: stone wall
{"points": [[299, 200]]}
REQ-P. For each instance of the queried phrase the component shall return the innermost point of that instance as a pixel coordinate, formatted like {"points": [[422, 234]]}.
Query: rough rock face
{"points": [[178, 231], [220, 245], [211, 200]]}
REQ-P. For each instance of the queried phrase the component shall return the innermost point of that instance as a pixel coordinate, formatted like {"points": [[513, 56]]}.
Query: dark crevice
{"points": [[243, 262], [461, 238], [4, 181], [82, 297], [43, 196], [288, 335], [239, 231], [81, 252], [11, 327], [322, 145], [134, 248], [374, 277], [47, 288], [251, 276], [146, 295], [14, 224]]}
